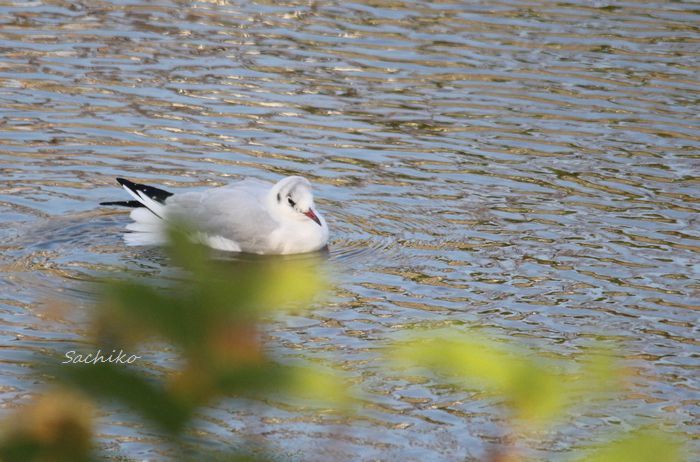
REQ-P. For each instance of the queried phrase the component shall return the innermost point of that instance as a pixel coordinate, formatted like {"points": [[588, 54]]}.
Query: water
{"points": [[529, 167]]}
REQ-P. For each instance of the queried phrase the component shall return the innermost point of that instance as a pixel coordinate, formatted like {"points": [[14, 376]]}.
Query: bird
{"points": [[248, 216]]}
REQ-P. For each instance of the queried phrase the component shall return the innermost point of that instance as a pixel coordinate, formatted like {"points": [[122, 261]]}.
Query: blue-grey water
{"points": [[531, 168]]}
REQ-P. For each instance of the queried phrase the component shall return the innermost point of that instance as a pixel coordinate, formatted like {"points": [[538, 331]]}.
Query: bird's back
{"points": [[236, 212]]}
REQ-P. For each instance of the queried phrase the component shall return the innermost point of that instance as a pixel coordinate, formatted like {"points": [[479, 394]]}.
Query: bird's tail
{"points": [[148, 213], [148, 196]]}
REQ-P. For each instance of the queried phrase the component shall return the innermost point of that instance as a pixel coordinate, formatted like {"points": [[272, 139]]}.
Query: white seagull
{"points": [[251, 216]]}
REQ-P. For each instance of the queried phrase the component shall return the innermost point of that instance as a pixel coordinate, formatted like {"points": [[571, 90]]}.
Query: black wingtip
{"points": [[130, 204], [152, 192]]}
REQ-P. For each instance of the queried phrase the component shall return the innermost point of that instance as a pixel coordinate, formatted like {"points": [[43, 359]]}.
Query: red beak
{"points": [[310, 213]]}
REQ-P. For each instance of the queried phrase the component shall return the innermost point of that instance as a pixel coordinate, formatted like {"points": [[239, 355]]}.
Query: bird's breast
{"points": [[299, 238]]}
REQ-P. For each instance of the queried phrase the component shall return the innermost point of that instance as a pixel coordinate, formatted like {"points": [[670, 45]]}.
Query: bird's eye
{"points": [[291, 202]]}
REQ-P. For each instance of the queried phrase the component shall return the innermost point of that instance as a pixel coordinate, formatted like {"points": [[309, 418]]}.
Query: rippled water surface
{"points": [[530, 167]]}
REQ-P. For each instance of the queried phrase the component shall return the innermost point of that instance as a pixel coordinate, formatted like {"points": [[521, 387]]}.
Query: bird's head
{"points": [[293, 198]]}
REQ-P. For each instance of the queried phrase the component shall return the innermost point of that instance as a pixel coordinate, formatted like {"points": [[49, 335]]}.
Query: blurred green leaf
{"points": [[599, 373], [534, 388], [186, 253], [138, 306], [642, 445], [319, 387], [134, 389]]}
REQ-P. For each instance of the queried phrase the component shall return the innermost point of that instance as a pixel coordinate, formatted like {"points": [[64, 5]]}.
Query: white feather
{"points": [[216, 242], [145, 221], [153, 206]]}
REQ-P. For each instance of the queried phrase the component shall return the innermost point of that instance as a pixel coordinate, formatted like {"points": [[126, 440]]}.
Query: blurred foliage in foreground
{"points": [[214, 317], [536, 390]]}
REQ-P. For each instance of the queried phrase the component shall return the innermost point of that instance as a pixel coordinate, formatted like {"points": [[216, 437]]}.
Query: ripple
{"points": [[368, 252]]}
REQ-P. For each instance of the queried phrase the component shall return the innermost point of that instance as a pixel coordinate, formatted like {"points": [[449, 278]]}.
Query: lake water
{"points": [[531, 168]]}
